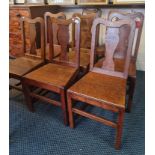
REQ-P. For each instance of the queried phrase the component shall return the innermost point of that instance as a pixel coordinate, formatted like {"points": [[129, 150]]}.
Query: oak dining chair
{"points": [[122, 46], [47, 16], [59, 74], [87, 17], [33, 54], [104, 87], [100, 48]]}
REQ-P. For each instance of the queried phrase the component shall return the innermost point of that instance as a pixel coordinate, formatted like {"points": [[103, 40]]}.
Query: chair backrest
{"points": [[33, 33], [63, 38], [48, 15], [138, 18], [87, 17], [112, 36]]}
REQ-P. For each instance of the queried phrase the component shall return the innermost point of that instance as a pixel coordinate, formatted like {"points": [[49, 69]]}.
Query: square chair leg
{"points": [[119, 129], [131, 93], [71, 119], [64, 106]]}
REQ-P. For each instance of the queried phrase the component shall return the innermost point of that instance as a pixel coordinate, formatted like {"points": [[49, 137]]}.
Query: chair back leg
{"points": [[132, 84]]}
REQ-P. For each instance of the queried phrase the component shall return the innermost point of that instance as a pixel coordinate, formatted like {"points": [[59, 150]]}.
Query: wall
{"points": [[141, 53]]}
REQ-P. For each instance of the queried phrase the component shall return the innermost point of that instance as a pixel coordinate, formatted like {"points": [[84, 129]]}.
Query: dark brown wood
{"points": [[64, 106], [104, 87], [139, 19], [58, 76], [94, 117], [28, 98], [87, 17], [30, 59], [48, 15], [119, 129], [132, 84], [63, 39], [45, 99], [86, 23]]}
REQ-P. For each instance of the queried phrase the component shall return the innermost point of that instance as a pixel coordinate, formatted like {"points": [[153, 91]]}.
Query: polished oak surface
{"points": [[103, 88], [105, 85], [52, 74], [23, 65]]}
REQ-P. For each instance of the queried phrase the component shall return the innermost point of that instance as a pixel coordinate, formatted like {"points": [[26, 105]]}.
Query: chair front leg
{"points": [[119, 129], [28, 98], [64, 106], [71, 117]]}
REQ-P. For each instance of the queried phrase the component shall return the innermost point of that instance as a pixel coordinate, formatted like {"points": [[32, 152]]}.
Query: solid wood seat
{"points": [[106, 89], [51, 74], [119, 63], [60, 73], [23, 65], [33, 54], [103, 86]]}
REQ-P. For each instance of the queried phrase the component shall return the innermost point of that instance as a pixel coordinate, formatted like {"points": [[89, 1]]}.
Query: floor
{"points": [[43, 133]]}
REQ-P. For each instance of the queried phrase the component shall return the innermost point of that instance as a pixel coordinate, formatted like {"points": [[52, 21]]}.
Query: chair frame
{"points": [[74, 96], [60, 90], [32, 54]]}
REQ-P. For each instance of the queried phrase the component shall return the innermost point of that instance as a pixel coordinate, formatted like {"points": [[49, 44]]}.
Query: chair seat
{"points": [[52, 74], [103, 88], [119, 66], [23, 65]]}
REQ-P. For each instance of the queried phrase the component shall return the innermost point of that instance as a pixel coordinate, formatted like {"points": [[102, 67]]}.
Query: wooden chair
{"points": [[58, 75], [122, 47], [104, 87], [48, 15], [87, 17], [30, 59], [100, 48]]}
